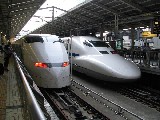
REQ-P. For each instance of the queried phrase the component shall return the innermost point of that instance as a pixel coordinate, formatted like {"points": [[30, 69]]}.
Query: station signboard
{"points": [[147, 34], [156, 26]]}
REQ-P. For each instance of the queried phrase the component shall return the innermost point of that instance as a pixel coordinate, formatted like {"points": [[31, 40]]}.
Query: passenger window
{"points": [[32, 39], [104, 52], [99, 44]]}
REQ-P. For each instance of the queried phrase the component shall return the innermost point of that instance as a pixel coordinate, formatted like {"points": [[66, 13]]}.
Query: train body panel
{"points": [[119, 69], [97, 59], [49, 56]]}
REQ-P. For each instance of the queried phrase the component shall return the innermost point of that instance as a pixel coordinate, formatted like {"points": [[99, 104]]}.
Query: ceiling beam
{"points": [[134, 5], [106, 8]]}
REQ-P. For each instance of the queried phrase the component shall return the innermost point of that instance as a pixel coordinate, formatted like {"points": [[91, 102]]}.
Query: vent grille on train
{"points": [[104, 52]]}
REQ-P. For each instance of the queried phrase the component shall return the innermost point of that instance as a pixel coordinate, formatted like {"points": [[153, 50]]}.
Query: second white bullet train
{"points": [[97, 59]]}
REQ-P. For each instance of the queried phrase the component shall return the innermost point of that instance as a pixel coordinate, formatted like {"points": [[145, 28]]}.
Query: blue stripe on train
{"points": [[73, 54]]}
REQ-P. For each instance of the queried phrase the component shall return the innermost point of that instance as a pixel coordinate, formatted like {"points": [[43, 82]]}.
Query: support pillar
{"points": [[53, 14], [101, 31], [0, 39], [116, 26], [52, 30], [132, 37], [70, 48]]}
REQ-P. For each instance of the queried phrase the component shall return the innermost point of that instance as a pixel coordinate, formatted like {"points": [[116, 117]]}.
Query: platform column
{"points": [[116, 26], [132, 37], [101, 31]]}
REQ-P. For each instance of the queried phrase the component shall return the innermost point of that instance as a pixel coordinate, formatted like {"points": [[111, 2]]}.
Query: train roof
{"points": [[41, 35], [82, 38], [90, 38], [38, 35]]}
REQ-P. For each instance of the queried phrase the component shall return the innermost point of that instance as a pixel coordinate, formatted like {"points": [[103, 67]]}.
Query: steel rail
{"points": [[120, 107]]}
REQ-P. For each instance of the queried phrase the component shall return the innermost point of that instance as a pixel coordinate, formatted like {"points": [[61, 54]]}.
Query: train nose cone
{"points": [[129, 71], [118, 67], [123, 68]]}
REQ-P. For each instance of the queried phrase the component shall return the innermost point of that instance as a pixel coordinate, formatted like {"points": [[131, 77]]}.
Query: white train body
{"points": [[96, 58], [46, 59]]}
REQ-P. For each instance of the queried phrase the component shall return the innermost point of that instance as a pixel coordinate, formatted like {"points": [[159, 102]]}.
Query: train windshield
{"points": [[99, 44], [54, 39], [32, 39]]}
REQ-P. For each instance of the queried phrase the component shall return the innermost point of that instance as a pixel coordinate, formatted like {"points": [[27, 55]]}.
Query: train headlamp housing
{"points": [[41, 65], [65, 64], [45, 65]]}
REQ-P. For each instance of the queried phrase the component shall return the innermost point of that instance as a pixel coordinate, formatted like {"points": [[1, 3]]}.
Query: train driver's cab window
{"points": [[99, 44], [32, 39], [87, 43]]}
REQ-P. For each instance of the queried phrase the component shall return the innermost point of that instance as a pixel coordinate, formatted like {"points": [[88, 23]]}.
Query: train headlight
{"points": [[39, 64], [64, 64]]}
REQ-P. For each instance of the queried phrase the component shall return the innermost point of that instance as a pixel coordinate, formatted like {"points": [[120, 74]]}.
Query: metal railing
{"points": [[32, 109], [149, 58]]}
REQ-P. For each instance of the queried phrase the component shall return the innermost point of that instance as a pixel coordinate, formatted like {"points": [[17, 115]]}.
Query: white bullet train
{"points": [[46, 59], [97, 59]]}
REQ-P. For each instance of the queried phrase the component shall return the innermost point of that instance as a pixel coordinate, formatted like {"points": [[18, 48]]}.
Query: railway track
{"points": [[106, 106], [69, 106], [143, 94], [80, 103]]}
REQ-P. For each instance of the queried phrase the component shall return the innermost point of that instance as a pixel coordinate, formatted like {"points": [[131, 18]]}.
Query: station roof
{"points": [[91, 14], [14, 14], [95, 14]]}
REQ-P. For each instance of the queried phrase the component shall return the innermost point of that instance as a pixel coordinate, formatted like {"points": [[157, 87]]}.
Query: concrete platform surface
{"points": [[11, 107]]}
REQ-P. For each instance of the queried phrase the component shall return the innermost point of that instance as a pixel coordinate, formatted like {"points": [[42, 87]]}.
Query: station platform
{"points": [[11, 107]]}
